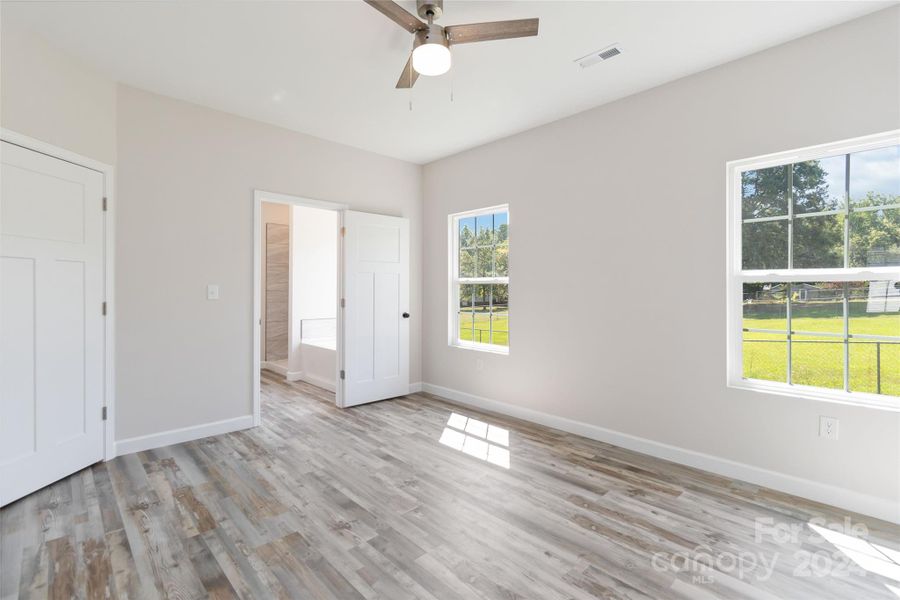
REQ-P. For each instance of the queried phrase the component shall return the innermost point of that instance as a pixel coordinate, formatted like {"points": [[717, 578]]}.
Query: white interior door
{"points": [[376, 312], [51, 323]]}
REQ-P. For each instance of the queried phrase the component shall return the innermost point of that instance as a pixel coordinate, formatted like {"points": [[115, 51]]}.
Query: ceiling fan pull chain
{"points": [[410, 86], [451, 85]]}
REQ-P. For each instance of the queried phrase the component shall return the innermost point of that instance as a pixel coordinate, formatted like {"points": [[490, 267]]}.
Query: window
{"points": [[479, 279], [814, 272]]}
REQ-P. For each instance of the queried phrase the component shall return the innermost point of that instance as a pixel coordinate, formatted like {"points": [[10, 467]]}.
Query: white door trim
{"points": [[109, 250], [260, 196]]}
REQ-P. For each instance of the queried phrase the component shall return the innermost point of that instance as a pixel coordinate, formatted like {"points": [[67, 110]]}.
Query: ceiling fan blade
{"points": [[397, 14], [497, 30], [408, 77]]}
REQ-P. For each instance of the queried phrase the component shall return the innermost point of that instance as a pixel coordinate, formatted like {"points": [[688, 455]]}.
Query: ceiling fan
{"points": [[431, 44]]}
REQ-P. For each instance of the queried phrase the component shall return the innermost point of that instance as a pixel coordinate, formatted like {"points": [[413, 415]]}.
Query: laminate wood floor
{"points": [[420, 498]]}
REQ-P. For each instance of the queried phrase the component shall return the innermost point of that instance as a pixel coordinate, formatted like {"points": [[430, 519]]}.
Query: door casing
{"points": [[109, 220]]}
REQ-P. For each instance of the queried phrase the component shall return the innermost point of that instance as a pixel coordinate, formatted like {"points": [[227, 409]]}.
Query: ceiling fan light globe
{"points": [[431, 59]]}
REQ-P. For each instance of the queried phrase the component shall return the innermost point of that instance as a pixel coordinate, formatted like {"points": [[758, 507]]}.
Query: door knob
{"points": [[405, 315]]}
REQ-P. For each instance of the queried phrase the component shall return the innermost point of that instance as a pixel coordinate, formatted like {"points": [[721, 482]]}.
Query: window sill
{"points": [[502, 350], [889, 403]]}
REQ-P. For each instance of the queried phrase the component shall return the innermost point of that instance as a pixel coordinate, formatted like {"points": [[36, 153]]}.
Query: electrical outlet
{"points": [[212, 291], [828, 428]]}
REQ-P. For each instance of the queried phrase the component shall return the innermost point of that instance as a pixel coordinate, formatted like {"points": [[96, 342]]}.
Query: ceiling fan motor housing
{"points": [[433, 34], [436, 7]]}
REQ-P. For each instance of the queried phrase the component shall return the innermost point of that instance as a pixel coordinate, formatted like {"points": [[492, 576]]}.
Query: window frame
{"points": [[454, 280], [736, 276]]}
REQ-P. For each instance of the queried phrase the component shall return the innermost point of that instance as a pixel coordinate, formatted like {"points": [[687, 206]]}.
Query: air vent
{"points": [[608, 54], [599, 56]]}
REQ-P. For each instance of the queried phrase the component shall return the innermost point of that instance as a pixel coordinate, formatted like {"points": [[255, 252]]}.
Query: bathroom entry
{"points": [[299, 292], [335, 314]]}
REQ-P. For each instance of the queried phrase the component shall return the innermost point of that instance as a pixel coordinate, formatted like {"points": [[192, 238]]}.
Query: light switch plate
{"points": [[212, 291]]}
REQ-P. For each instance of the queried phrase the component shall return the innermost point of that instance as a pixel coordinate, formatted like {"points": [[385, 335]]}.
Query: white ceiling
{"points": [[329, 68]]}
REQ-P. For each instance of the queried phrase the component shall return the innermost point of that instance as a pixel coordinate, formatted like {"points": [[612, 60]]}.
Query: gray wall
{"points": [[47, 95], [186, 176], [631, 196]]}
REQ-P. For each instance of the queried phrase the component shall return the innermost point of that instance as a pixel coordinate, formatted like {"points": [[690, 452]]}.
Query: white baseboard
{"points": [[185, 434], [274, 367], [415, 387], [311, 379], [882, 508]]}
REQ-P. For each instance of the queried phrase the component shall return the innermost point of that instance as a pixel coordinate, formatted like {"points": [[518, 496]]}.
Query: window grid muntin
{"points": [[458, 280], [790, 243], [845, 336], [846, 240], [846, 210], [491, 282], [847, 274], [475, 247], [874, 208]]}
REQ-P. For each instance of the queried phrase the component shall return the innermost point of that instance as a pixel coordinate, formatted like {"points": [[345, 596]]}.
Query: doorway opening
{"points": [[344, 322], [297, 283]]}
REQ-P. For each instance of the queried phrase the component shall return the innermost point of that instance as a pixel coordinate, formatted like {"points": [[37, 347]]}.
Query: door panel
{"points": [[18, 437], [387, 326], [40, 194], [363, 326], [51, 323], [376, 290], [67, 356]]}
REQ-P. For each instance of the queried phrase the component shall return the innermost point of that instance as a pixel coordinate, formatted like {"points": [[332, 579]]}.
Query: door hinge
{"points": [[343, 303], [343, 231], [104, 309], [104, 203], [104, 413], [343, 374]]}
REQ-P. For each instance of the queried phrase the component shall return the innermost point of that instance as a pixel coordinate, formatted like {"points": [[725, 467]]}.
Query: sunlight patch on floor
{"points": [[477, 438], [872, 557]]}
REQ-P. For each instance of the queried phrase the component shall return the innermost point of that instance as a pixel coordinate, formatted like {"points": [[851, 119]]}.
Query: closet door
{"points": [[51, 320]]}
